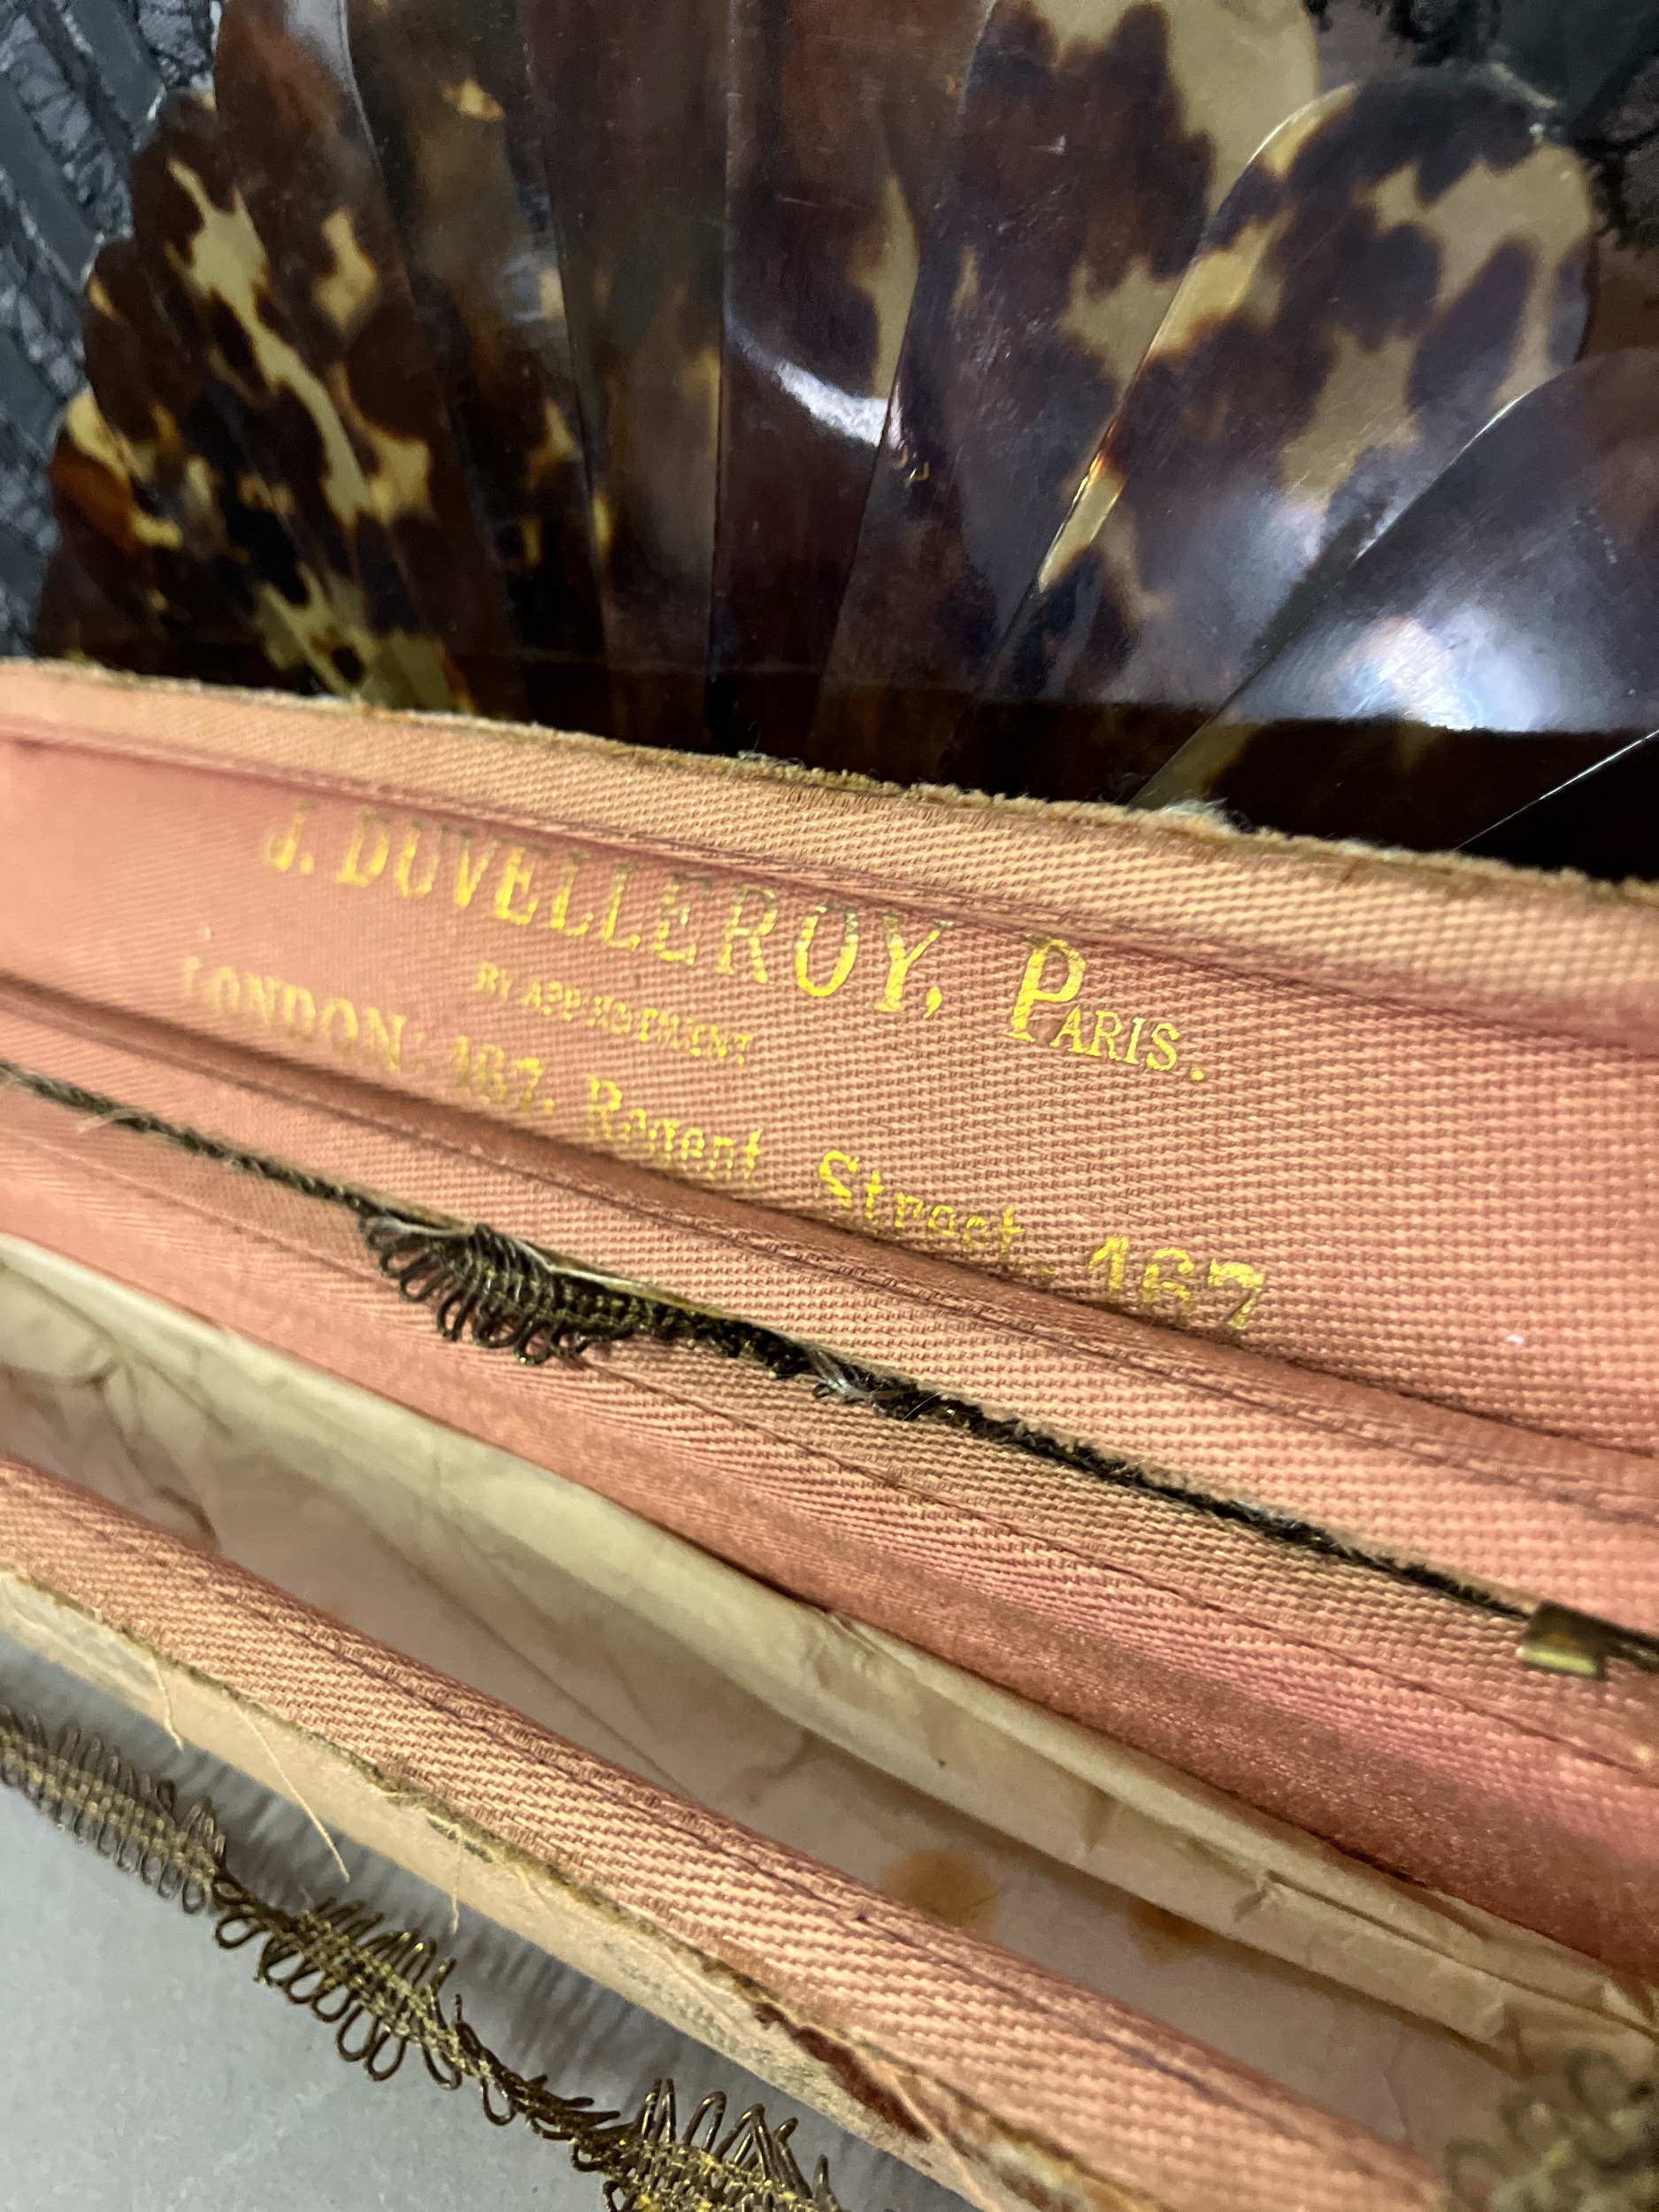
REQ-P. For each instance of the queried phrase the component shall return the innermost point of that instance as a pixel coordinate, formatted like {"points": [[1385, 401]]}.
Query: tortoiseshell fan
{"points": [[1236, 401]]}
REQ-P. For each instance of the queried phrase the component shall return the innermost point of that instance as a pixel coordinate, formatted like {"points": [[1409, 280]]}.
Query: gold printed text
{"points": [[880, 1206], [743, 932], [626, 1126], [1048, 1011], [1168, 1283], [300, 1015], [664, 1029]]}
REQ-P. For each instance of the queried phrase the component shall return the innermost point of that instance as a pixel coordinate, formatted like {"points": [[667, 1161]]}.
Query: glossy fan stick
{"points": [[77, 619], [275, 435], [842, 113], [1604, 822], [447, 98], [1498, 640], [631, 100], [132, 584], [1399, 262], [1578, 61], [146, 495], [1096, 137], [102, 597], [108, 529], [383, 461]]}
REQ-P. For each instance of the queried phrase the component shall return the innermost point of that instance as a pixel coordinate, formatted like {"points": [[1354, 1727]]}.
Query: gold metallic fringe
{"points": [[1588, 2142], [384, 1991]]}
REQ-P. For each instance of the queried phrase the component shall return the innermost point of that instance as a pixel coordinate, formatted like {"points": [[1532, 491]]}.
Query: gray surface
{"points": [[142, 2069], [79, 80]]}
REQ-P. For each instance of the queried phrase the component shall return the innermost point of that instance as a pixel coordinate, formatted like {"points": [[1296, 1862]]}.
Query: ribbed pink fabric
{"points": [[1128, 2101], [1417, 1098], [1391, 1721], [1572, 1522]]}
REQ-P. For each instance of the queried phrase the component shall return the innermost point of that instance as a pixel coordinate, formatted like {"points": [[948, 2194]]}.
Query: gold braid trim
{"points": [[1588, 2142], [494, 1291], [383, 1990]]}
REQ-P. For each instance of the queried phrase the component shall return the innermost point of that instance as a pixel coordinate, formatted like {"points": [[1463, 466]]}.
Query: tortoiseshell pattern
{"points": [[1400, 262], [842, 113], [447, 98], [288, 455], [335, 287], [209, 271], [161, 555], [182, 295], [553, 361], [338, 502], [1498, 640], [1096, 137], [631, 100]]}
